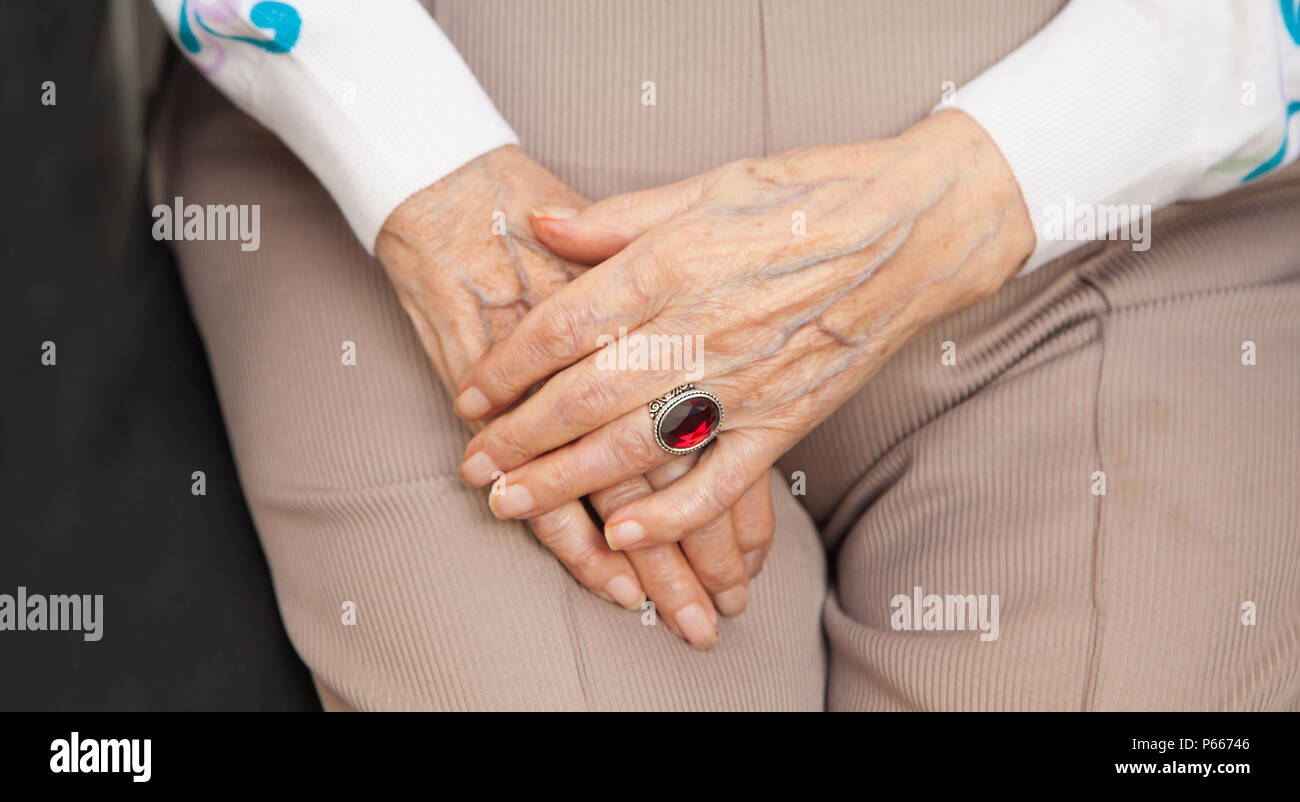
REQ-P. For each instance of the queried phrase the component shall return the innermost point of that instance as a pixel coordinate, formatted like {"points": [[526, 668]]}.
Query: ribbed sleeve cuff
{"points": [[1085, 112], [400, 111], [372, 97]]}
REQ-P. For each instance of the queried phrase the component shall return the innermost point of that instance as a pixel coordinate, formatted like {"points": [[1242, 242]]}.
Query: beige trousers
{"points": [[1087, 448]]}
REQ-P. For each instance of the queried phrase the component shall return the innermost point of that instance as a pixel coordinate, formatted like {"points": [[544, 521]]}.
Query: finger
{"points": [[728, 468], [678, 595], [669, 582], [571, 536], [605, 228], [718, 563], [754, 524], [615, 452], [558, 332], [714, 555], [571, 404]]}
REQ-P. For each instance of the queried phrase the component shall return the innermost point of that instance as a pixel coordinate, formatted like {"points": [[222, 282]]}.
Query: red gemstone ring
{"points": [[685, 419]]}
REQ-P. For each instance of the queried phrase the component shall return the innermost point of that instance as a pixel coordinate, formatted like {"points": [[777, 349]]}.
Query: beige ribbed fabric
{"points": [[978, 478], [970, 478]]}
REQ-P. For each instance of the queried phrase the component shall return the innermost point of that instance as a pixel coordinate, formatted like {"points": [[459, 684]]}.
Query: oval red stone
{"points": [[689, 423]]}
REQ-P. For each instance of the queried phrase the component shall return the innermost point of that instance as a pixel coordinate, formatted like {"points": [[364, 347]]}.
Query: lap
{"points": [[970, 478], [350, 471], [982, 475]]}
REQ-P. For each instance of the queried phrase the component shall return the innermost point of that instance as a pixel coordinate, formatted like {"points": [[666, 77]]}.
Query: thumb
{"points": [[605, 228]]}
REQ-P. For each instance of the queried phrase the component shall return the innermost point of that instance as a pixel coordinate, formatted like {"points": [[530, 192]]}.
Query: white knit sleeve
{"points": [[371, 96], [1125, 104]]}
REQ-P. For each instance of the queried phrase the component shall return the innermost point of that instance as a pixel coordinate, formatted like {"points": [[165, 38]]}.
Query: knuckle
{"points": [[754, 529], [491, 376], [723, 572], [637, 447], [561, 334], [642, 281], [611, 498], [699, 507], [587, 400], [677, 586], [731, 481], [587, 560], [678, 518], [675, 468], [507, 442], [561, 477], [552, 530]]}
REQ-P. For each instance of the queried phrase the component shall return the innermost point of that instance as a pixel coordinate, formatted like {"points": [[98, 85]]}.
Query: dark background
{"points": [[96, 452]]}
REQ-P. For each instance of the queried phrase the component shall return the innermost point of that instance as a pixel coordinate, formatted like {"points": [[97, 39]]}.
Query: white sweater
{"points": [[1114, 103]]}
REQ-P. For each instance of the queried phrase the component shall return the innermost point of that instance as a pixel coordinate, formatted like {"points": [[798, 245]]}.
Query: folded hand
{"points": [[800, 273]]}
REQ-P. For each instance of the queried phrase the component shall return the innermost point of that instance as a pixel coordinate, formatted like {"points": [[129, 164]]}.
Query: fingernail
{"points": [[695, 625], [624, 534], [626, 592], [515, 501], [472, 404], [478, 470], [754, 562], [733, 601], [554, 213]]}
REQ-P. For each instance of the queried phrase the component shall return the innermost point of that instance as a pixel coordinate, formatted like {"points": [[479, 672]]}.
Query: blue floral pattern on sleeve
{"points": [[1291, 18], [281, 19]]}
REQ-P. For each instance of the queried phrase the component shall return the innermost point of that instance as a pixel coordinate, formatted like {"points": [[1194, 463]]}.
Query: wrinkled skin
{"points": [[465, 287], [897, 235]]}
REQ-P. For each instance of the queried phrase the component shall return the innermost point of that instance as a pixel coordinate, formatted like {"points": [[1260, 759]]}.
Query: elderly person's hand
{"points": [[466, 266], [802, 272]]}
